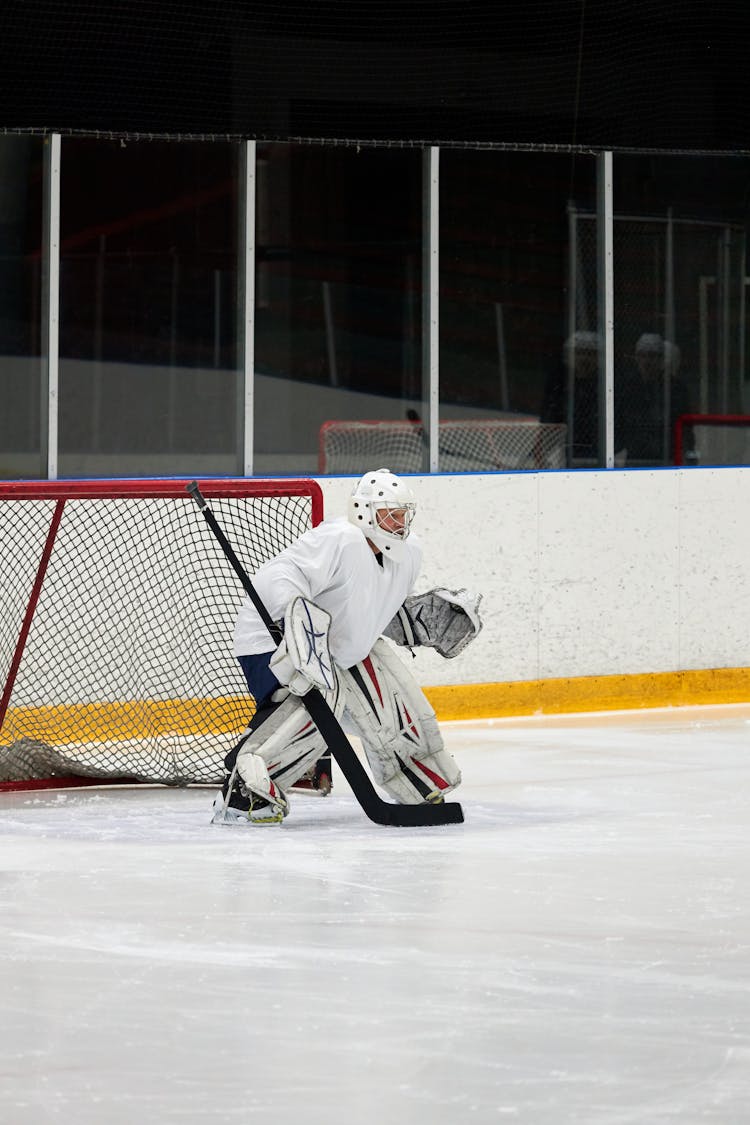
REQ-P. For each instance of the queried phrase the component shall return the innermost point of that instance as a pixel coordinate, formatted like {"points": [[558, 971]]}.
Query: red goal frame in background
{"points": [[686, 422]]}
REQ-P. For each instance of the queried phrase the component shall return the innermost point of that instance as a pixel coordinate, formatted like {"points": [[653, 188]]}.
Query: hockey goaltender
{"points": [[340, 589]]}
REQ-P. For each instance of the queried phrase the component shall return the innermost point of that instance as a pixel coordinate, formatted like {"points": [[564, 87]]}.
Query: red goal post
{"points": [[116, 633], [712, 439]]}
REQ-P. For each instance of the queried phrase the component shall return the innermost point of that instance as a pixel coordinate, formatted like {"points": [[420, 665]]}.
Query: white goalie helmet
{"points": [[378, 491]]}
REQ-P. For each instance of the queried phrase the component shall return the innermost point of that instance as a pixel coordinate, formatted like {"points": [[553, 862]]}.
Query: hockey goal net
{"points": [[464, 446], [116, 633], [712, 439]]}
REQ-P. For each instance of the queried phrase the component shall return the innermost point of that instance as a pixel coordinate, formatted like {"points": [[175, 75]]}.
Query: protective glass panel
{"points": [[149, 370], [21, 192], [338, 300], [680, 302], [510, 397]]}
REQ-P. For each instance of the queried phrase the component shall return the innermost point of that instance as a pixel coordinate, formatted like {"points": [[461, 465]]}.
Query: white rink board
{"points": [[582, 574], [587, 573]]}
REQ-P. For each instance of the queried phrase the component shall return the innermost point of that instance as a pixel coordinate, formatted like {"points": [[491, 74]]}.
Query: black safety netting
{"points": [[583, 73]]}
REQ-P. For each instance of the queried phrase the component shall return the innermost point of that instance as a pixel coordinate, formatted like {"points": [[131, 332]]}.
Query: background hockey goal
{"points": [[712, 439], [116, 631], [464, 446]]}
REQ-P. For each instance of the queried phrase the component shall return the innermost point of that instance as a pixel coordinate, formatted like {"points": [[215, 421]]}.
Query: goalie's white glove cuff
{"points": [[291, 679]]}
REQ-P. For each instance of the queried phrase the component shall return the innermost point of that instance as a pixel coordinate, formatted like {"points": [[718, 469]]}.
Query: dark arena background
{"points": [[155, 105], [502, 249]]}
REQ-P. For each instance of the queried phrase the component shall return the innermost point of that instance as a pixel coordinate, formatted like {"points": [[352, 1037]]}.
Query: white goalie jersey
{"points": [[333, 566]]}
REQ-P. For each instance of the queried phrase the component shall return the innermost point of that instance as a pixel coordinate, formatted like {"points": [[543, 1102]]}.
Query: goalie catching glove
{"points": [[302, 660], [446, 620]]}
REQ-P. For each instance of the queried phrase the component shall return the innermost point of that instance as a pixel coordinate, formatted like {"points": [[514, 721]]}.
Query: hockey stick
{"points": [[378, 810]]}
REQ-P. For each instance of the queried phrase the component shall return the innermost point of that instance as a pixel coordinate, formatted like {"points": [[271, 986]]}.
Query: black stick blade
{"points": [[425, 816], [373, 805]]}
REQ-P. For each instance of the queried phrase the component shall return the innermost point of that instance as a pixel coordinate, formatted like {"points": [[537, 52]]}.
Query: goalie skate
{"points": [[237, 804]]}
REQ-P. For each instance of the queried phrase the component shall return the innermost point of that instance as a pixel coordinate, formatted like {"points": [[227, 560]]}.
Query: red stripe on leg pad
{"points": [[408, 719], [434, 777], [367, 665]]}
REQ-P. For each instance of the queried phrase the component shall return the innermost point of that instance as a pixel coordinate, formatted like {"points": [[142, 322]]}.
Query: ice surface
{"points": [[577, 951]]}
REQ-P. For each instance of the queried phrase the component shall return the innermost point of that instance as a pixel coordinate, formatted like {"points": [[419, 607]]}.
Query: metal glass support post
{"points": [[246, 319], [725, 318], [431, 299], [572, 326], [669, 332], [741, 324], [50, 358], [605, 271]]}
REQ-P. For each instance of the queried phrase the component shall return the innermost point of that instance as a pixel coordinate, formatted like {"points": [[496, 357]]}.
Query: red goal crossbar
{"points": [[168, 488]]}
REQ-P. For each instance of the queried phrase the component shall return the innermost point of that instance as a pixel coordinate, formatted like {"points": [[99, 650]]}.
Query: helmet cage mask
{"points": [[380, 491]]}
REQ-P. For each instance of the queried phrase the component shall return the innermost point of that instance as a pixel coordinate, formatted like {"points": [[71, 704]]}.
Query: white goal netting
{"points": [[464, 446]]}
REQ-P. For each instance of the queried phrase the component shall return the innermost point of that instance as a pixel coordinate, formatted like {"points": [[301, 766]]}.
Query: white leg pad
{"points": [[398, 728], [284, 747]]}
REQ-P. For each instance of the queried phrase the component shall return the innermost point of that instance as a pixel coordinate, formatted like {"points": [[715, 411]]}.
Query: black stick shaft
{"points": [[237, 566]]}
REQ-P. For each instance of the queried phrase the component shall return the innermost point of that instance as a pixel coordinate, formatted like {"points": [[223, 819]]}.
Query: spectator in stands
{"points": [[571, 396], [649, 397]]}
